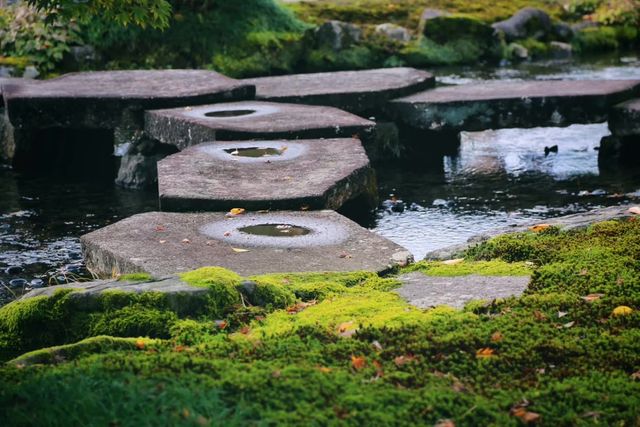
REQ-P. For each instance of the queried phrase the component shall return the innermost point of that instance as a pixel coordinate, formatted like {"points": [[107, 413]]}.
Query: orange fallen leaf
{"points": [[358, 362], [539, 227], [222, 324], [497, 337], [347, 329], [635, 210], [484, 353], [298, 307], [622, 310], [179, 348], [140, 344], [245, 330], [592, 297]]}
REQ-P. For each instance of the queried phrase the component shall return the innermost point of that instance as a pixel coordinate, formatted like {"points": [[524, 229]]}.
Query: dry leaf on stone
{"points": [[162, 242], [539, 227], [239, 250], [635, 210]]}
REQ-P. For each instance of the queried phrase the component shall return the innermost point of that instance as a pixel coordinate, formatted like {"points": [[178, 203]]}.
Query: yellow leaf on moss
{"points": [[622, 310], [539, 227]]}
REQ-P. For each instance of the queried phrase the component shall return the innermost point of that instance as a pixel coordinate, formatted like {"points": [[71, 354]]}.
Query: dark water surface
{"points": [[498, 178]]}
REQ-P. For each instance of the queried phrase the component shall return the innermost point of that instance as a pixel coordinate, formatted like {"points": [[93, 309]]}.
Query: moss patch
{"points": [[135, 277], [465, 268]]}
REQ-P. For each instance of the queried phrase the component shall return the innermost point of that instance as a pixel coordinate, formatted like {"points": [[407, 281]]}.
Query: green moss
{"points": [[133, 321], [536, 48], [271, 294], [465, 268], [135, 277], [221, 283], [596, 39]]}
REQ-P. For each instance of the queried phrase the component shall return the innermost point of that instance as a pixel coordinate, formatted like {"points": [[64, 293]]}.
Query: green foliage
{"points": [[142, 13], [596, 39], [536, 48], [135, 277], [271, 294], [482, 268], [25, 35]]}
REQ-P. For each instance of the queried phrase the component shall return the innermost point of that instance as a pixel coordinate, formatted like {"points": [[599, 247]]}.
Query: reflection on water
{"points": [[499, 178]]}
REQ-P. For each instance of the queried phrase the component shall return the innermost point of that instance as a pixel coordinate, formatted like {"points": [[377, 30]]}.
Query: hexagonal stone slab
{"points": [[625, 118], [265, 175], [355, 91], [162, 243], [494, 105], [99, 99], [188, 126]]}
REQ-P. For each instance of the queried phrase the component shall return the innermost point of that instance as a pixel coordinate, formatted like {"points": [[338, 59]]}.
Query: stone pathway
{"points": [[163, 244], [355, 91], [425, 291], [494, 105], [314, 174], [184, 127]]}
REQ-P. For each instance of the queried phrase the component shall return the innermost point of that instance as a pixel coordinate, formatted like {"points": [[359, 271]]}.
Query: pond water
{"points": [[498, 178]]}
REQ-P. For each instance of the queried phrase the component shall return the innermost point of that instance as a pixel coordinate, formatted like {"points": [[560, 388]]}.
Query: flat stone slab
{"points": [[494, 105], [98, 99], [234, 121], [355, 91], [625, 118], [425, 291], [567, 222], [317, 173], [163, 244]]}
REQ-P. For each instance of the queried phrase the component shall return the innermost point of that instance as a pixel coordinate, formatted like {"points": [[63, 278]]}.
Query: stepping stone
{"points": [[425, 291], [355, 91], [625, 118], [494, 105], [188, 126], [265, 175], [99, 99], [163, 244]]}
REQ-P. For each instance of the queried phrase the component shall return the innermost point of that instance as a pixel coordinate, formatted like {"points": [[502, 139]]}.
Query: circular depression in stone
{"points": [[253, 151], [308, 231], [231, 112]]}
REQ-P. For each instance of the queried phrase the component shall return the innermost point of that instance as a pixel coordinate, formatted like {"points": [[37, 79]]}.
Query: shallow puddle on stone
{"points": [[275, 230], [255, 151], [229, 113]]}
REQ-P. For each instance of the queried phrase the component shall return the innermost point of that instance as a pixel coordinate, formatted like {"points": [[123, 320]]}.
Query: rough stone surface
{"points": [[566, 222], [337, 35], [313, 173], [625, 118], [425, 291], [560, 50], [525, 23], [476, 107], [393, 32], [184, 127], [355, 91], [166, 243], [99, 99]]}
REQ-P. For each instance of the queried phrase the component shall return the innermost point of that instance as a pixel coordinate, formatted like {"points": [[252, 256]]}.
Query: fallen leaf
{"points": [[562, 313], [140, 344], [445, 423], [358, 362], [569, 324], [179, 348], [345, 326], [583, 272], [162, 242], [222, 324], [525, 416], [635, 210], [160, 228], [245, 330], [378, 366], [240, 250], [186, 241], [298, 307], [324, 369], [277, 373], [237, 211], [635, 376], [403, 360], [622, 310], [344, 255], [539, 227], [484, 353], [305, 207], [227, 234], [376, 344], [453, 261], [539, 315], [592, 297], [497, 337]]}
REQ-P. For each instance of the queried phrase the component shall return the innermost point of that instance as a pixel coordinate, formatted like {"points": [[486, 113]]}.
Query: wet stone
{"points": [[355, 91], [490, 105], [168, 243], [187, 126], [100, 99], [265, 175], [425, 291], [625, 119]]}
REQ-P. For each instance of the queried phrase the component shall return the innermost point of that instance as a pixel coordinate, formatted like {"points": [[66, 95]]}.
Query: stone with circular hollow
{"points": [[99, 99], [163, 243], [355, 91], [322, 173], [188, 126]]}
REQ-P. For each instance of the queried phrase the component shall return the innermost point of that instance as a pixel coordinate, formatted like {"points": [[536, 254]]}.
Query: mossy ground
{"points": [[350, 351]]}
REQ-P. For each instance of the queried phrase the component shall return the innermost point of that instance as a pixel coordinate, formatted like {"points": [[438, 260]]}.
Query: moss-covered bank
{"points": [[350, 351]]}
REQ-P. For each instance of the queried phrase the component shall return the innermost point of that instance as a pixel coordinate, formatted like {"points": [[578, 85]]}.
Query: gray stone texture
{"points": [[354, 91], [317, 174], [528, 22], [490, 105], [624, 119], [337, 35], [187, 126], [167, 243], [425, 291], [393, 32], [99, 99]]}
